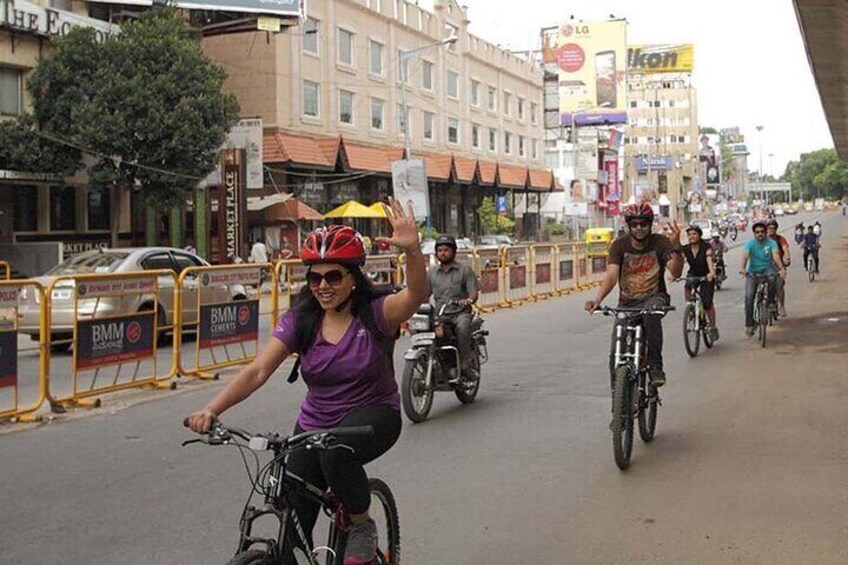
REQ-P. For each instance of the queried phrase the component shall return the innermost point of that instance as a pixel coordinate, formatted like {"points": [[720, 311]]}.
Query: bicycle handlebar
{"points": [[612, 311], [219, 434]]}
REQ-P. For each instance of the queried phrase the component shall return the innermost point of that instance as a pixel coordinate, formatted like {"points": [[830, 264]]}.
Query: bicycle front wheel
{"points": [[384, 512], [252, 557], [691, 335], [649, 405], [811, 270], [622, 417]]}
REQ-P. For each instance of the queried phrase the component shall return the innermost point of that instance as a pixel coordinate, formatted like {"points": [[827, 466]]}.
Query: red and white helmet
{"points": [[333, 244], [640, 211]]}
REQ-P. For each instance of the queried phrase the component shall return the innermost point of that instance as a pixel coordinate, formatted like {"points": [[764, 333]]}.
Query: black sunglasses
{"points": [[333, 278], [639, 224]]}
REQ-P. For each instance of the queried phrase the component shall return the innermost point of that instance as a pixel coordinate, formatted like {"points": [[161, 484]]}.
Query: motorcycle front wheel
{"points": [[466, 393], [416, 398]]}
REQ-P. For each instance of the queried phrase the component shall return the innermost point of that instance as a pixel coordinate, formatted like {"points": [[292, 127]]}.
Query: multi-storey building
{"points": [[661, 141], [331, 95]]}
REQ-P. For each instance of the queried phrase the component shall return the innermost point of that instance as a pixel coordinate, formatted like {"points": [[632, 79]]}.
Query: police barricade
{"points": [[568, 268], [23, 361], [542, 259], [224, 308], [598, 266], [5, 270], [290, 277], [382, 269], [488, 264], [114, 323], [516, 261]]}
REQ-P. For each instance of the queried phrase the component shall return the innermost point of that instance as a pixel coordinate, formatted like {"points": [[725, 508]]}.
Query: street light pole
{"points": [[762, 192]]}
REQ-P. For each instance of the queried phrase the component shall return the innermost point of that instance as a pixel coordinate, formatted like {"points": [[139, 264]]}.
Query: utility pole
{"points": [[762, 192]]}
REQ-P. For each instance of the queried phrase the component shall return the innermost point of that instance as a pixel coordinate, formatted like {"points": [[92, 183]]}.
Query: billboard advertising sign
{"points": [[655, 59], [115, 340], [592, 69], [232, 322], [658, 162], [710, 144], [409, 182], [613, 188]]}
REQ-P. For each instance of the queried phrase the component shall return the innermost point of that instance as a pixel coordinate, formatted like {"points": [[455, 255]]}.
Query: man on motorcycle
{"points": [[449, 281], [783, 250], [636, 264]]}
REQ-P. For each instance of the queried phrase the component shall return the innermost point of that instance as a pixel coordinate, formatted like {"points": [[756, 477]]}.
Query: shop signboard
{"points": [[29, 17], [285, 8], [409, 182], [114, 340], [655, 59], [232, 206], [227, 323]]}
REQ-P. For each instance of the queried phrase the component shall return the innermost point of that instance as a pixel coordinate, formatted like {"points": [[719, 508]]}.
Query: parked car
{"points": [[495, 241], [121, 260]]}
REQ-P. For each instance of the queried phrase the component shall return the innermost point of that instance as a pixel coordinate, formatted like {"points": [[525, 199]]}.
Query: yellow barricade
{"points": [[382, 269], [224, 305], [114, 323], [6, 270], [598, 266], [23, 370], [290, 276], [516, 261], [488, 265], [543, 260], [567, 268]]}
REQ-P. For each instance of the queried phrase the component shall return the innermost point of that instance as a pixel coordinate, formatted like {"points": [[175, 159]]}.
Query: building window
{"points": [[346, 47], [507, 104], [376, 5], [633, 104], [346, 107], [427, 75], [507, 143], [98, 208], [671, 103], [377, 111], [453, 131], [521, 109], [10, 92], [400, 9], [453, 85], [493, 99], [534, 149], [521, 146], [376, 66], [311, 99], [475, 93], [26, 208], [311, 36], [403, 67], [451, 31], [429, 117], [534, 113], [403, 119], [63, 208], [493, 140], [475, 136]]}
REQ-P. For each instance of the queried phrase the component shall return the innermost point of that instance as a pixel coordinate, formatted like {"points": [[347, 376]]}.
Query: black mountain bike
{"points": [[695, 321], [279, 488], [764, 314], [633, 396]]}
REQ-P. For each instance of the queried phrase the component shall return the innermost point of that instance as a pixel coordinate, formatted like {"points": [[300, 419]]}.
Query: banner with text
{"points": [[232, 322], [655, 59], [115, 340]]}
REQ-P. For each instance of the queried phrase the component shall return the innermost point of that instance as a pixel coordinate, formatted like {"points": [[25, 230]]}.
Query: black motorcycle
{"points": [[799, 233], [432, 363], [721, 272], [734, 232]]}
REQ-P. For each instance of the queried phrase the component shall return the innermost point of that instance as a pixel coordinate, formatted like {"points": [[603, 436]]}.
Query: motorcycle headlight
{"points": [[419, 323]]}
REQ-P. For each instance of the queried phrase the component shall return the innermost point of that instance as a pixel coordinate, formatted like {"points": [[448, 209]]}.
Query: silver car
{"points": [[113, 261]]}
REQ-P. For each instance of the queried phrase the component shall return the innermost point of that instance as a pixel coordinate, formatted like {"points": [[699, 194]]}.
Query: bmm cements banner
{"points": [[232, 322], [115, 340], [592, 67]]}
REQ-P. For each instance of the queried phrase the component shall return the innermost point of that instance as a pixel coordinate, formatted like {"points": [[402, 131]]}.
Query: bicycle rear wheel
{"points": [[811, 269], [649, 405], [622, 417], [384, 512], [691, 335], [765, 314]]}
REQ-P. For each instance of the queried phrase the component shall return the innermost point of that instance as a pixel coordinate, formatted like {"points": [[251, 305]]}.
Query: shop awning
{"points": [[466, 169], [512, 176], [488, 172], [380, 208], [259, 203], [305, 151], [541, 181], [291, 210], [437, 167], [359, 157], [353, 209]]}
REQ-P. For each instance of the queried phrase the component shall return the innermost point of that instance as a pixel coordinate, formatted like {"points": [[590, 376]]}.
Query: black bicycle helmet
{"points": [[696, 229], [445, 239]]}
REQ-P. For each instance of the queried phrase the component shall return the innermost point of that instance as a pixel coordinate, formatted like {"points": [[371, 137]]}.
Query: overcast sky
{"points": [[750, 65]]}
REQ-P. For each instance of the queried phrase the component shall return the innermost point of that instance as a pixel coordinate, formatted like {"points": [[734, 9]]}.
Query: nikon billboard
{"points": [[656, 59]]}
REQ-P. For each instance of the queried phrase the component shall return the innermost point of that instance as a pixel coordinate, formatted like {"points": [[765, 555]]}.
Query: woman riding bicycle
{"points": [[344, 332], [699, 257]]}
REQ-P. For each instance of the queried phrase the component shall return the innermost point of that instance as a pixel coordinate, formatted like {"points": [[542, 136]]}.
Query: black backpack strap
{"points": [[295, 371]]}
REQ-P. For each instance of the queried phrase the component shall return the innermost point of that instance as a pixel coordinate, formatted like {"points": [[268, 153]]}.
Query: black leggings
{"points": [[342, 470]]}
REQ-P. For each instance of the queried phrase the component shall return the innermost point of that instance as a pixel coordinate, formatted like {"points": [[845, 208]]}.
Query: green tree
{"points": [[146, 103], [492, 222], [819, 173]]}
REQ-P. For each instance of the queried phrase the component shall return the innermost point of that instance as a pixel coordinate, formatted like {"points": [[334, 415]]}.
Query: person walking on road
{"points": [[760, 257], [259, 252], [344, 331], [637, 264]]}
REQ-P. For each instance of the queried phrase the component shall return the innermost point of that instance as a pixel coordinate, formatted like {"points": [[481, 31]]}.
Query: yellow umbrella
{"points": [[353, 209], [382, 209]]}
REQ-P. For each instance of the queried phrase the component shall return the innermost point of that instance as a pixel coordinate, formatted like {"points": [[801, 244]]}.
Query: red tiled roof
{"points": [[438, 167], [281, 147], [512, 176], [541, 180], [291, 209], [488, 172], [370, 158], [465, 169]]}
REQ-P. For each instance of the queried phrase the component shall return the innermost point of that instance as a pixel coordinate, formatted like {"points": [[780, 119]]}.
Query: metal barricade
{"points": [[224, 306], [23, 367], [516, 261], [289, 277], [488, 264], [382, 269], [5, 270], [112, 322], [566, 268], [598, 266], [542, 259]]}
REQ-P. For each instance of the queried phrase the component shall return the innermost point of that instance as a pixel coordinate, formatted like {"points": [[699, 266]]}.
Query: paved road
{"points": [[748, 466]]}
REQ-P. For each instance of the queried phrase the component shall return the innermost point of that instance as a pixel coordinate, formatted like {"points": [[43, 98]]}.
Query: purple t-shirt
{"points": [[355, 372]]}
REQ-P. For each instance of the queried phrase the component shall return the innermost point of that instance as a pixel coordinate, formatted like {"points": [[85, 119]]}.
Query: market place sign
{"points": [[32, 18]]}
